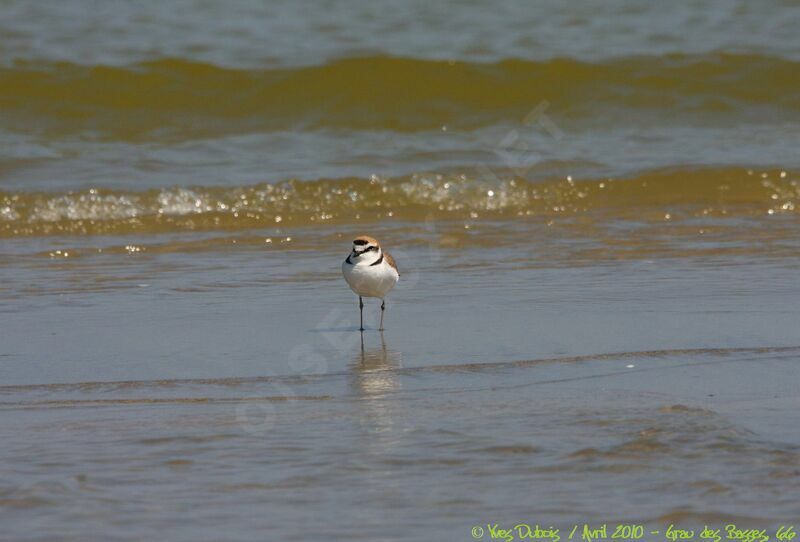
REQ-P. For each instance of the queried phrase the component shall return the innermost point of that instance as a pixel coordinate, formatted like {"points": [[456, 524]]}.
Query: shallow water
{"points": [[506, 388], [594, 210], [381, 452]]}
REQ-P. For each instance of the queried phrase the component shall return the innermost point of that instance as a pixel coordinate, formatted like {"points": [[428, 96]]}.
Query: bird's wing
{"points": [[391, 261]]}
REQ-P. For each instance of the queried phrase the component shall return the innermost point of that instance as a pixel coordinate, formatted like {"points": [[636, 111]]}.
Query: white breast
{"points": [[370, 280]]}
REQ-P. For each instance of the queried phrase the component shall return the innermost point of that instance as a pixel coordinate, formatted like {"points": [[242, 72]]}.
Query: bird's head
{"points": [[366, 249]]}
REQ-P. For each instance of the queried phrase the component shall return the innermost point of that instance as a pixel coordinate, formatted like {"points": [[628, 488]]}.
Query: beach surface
{"points": [[597, 314]]}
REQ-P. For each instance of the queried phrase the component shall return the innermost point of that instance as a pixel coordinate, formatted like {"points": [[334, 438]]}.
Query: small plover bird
{"points": [[370, 272]]}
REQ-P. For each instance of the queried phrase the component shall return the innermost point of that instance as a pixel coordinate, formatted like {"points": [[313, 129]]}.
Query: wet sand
{"points": [[635, 390]]}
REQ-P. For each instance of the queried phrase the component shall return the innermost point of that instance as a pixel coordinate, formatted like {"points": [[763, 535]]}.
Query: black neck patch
{"points": [[376, 262]]}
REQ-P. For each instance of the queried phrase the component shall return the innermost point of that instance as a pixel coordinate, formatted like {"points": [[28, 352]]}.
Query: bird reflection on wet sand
{"points": [[374, 369], [376, 382]]}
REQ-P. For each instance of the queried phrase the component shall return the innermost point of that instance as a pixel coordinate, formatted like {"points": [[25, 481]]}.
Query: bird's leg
{"points": [[361, 309], [383, 306]]}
